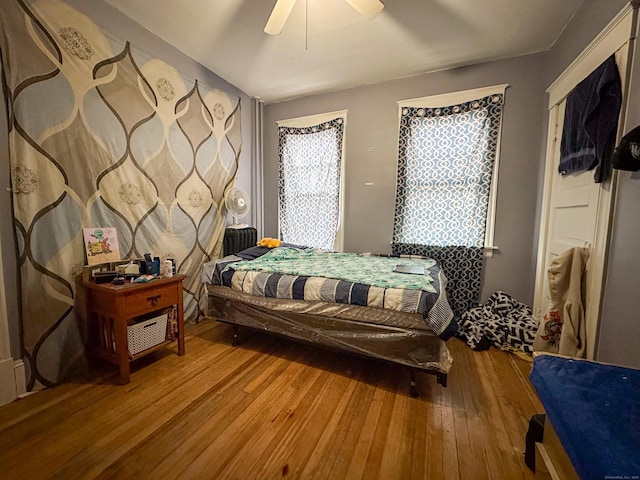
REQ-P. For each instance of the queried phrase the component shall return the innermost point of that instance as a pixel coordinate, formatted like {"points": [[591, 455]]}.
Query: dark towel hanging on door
{"points": [[591, 121]]}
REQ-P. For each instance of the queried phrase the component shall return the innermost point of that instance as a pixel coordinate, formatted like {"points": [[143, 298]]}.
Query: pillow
{"points": [[252, 253]]}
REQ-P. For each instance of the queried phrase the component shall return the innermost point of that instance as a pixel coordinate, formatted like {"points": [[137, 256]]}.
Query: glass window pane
{"points": [[445, 167], [310, 163]]}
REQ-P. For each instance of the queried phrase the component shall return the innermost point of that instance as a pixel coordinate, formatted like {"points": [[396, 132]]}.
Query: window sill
{"points": [[488, 251]]}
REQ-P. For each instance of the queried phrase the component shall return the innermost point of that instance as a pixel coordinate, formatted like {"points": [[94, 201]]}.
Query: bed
{"points": [[592, 427], [351, 302]]}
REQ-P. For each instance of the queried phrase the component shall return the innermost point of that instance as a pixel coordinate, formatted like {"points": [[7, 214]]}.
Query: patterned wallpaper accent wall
{"points": [[101, 135]]}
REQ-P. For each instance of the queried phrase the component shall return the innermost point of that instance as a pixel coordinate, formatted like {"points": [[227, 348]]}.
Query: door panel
{"points": [[573, 210], [576, 213]]}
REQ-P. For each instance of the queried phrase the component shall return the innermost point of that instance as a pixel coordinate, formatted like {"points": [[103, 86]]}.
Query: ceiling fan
{"points": [[368, 8]]}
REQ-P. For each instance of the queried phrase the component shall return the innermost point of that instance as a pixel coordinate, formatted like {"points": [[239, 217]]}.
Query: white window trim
{"points": [[453, 98], [446, 99], [308, 121]]}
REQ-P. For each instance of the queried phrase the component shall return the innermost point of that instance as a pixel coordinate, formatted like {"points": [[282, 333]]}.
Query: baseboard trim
{"points": [[7, 381], [20, 377]]}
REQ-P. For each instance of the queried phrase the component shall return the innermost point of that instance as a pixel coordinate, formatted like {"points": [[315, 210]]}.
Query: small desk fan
{"points": [[237, 203]]}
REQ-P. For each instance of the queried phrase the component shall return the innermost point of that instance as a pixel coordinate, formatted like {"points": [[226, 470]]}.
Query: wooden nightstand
{"points": [[111, 308]]}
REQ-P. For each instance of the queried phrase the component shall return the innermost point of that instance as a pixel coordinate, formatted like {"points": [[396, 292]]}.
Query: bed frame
{"points": [[417, 350]]}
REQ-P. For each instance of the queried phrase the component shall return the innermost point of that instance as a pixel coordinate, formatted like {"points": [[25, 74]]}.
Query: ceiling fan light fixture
{"points": [[369, 9], [278, 17], [282, 9]]}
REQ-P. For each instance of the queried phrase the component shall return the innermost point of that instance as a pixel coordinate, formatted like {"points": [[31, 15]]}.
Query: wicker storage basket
{"points": [[147, 334]]}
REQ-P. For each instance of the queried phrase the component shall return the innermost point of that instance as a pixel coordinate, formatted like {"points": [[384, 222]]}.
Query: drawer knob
{"points": [[154, 300]]}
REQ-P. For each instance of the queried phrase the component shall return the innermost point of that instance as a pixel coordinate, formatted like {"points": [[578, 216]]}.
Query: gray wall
{"points": [[112, 22], [619, 340], [371, 154], [619, 335], [585, 25], [371, 157], [6, 236]]}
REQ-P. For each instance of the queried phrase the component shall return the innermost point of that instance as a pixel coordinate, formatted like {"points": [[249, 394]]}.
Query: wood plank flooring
{"points": [[272, 409]]}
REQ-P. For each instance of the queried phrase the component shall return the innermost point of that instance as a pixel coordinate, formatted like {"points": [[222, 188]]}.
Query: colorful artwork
{"points": [[101, 245]]}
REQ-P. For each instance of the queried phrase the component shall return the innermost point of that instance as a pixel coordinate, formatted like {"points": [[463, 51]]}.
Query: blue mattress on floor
{"points": [[595, 410]]}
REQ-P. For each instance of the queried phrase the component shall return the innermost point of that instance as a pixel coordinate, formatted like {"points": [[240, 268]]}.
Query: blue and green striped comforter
{"points": [[364, 280]]}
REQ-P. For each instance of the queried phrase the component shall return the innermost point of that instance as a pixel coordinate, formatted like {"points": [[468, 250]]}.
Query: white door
{"points": [[576, 211], [572, 210]]}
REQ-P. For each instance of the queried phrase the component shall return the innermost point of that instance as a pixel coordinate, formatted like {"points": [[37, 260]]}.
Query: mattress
{"points": [[356, 313], [423, 295], [595, 410]]}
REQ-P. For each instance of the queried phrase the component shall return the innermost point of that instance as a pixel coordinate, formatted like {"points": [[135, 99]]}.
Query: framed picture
{"points": [[101, 245]]}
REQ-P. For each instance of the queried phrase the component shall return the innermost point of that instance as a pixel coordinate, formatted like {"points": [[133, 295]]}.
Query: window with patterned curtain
{"points": [[446, 162], [310, 163]]}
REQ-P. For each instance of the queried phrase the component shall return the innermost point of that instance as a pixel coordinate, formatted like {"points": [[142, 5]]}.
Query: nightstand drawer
{"points": [[151, 299]]}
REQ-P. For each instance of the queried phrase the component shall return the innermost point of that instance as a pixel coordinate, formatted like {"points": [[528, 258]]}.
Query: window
{"points": [[446, 185], [310, 179], [446, 161]]}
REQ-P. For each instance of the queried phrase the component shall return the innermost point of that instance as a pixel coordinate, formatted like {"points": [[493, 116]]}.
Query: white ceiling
{"points": [[336, 48]]}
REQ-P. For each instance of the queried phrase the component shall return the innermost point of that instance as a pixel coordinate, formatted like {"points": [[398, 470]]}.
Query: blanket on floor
{"points": [[502, 321]]}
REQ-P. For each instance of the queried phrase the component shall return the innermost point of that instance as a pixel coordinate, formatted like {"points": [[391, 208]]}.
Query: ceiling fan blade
{"points": [[279, 16], [367, 8]]}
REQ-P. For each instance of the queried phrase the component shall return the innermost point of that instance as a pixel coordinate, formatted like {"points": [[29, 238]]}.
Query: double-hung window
{"points": [[446, 185], [310, 180], [447, 167]]}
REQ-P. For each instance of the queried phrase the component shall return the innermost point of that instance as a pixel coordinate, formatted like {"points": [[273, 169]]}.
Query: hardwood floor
{"points": [[273, 408]]}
